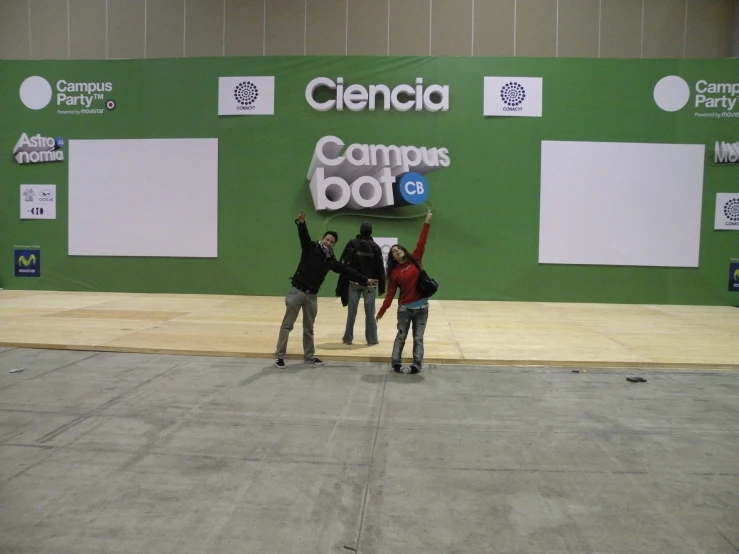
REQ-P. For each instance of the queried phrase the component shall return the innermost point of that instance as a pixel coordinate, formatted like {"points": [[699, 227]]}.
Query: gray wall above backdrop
{"points": [[91, 29]]}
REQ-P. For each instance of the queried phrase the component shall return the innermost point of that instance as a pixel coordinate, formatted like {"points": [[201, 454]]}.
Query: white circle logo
{"points": [[35, 93], [671, 93]]}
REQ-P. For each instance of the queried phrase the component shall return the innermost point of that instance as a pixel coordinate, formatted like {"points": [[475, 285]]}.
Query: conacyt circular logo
{"points": [[110, 104], [512, 94], [246, 93], [671, 93], [731, 210], [35, 93]]}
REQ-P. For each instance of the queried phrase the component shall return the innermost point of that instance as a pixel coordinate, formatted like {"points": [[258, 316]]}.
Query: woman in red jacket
{"points": [[403, 272]]}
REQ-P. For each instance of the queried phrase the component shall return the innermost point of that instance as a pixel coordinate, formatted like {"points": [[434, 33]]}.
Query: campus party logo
{"points": [[371, 175], [356, 98], [78, 98], [710, 99], [726, 153], [38, 149]]}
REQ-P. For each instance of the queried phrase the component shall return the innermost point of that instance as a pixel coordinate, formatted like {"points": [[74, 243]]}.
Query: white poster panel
{"points": [[143, 197], [615, 203]]}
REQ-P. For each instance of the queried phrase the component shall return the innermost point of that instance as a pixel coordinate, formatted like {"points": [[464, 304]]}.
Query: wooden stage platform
{"points": [[495, 333]]}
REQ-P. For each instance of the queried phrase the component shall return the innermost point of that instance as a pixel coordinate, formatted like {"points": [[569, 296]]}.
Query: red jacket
{"points": [[406, 276]]}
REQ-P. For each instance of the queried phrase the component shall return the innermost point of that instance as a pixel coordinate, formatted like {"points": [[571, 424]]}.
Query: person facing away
{"points": [[403, 271], [316, 260], [364, 255]]}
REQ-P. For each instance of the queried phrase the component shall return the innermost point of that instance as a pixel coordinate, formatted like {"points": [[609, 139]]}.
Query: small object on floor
{"points": [[315, 361], [636, 380], [575, 371], [406, 369], [350, 548], [279, 362], [584, 370], [17, 370]]}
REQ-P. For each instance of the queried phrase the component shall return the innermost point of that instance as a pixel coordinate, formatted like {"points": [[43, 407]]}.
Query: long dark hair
{"points": [[392, 264]]}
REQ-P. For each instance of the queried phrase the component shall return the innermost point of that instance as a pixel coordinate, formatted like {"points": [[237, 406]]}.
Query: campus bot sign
{"points": [[371, 175]]}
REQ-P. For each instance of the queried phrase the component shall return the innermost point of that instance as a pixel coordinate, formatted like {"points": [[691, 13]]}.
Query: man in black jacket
{"points": [[364, 255], [316, 260]]}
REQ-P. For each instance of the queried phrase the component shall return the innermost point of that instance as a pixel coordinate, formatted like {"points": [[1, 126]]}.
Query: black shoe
{"points": [[315, 361], [347, 342], [413, 369], [279, 362], [398, 368]]}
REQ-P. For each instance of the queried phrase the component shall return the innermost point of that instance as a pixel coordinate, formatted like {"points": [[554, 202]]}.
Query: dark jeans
{"points": [[370, 325], [407, 317]]}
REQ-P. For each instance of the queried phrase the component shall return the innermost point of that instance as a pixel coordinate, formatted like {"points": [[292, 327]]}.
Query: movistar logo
{"points": [[31, 260]]}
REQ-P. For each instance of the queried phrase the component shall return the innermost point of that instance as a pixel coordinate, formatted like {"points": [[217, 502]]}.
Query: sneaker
{"points": [[413, 369], [279, 362], [315, 361], [397, 368], [347, 342]]}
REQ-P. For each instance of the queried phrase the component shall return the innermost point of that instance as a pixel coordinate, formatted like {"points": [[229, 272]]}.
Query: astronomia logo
{"points": [[76, 98], [37, 149], [371, 175]]}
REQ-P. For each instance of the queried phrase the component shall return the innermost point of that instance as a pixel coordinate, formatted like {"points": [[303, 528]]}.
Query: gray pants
{"points": [[294, 301], [370, 325], [418, 317]]}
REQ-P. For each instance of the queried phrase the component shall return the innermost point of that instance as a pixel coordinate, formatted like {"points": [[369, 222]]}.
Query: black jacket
{"points": [[314, 265], [364, 255]]}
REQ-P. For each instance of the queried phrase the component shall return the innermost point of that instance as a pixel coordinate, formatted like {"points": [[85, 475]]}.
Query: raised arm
{"points": [[421, 244], [302, 230]]}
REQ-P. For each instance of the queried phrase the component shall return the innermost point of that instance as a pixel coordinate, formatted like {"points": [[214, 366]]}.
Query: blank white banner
{"points": [[143, 197], [614, 203]]}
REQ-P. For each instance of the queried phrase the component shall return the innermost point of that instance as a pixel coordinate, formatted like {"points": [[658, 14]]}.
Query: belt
{"points": [[304, 289]]}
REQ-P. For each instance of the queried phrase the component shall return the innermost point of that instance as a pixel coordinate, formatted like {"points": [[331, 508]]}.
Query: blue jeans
{"points": [[370, 329], [407, 316]]}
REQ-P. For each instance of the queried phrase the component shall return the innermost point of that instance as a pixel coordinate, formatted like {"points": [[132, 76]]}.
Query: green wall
{"points": [[484, 240]]}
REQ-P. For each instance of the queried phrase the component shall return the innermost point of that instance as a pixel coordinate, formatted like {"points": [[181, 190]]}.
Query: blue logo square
{"points": [[734, 277], [28, 263]]}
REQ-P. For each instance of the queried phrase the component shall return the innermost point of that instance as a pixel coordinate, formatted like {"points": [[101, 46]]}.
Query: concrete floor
{"points": [[131, 453]]}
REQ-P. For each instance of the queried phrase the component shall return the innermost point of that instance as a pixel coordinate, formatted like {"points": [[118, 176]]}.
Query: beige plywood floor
{"points": [[505, 333]]}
